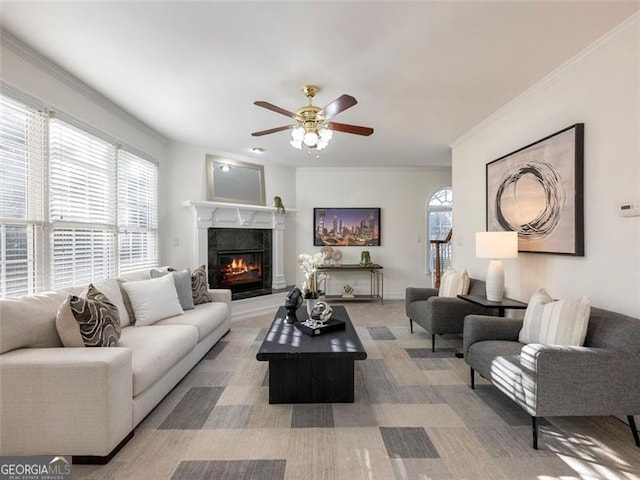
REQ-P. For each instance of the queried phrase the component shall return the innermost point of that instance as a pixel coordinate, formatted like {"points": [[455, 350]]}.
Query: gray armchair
{"points": [[442, 315], [600, 378]]}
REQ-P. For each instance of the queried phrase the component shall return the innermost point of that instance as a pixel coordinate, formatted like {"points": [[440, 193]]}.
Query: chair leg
{"points": [[473, 378], [433, 342], [634, 430], [411, 325], [534, 424]]}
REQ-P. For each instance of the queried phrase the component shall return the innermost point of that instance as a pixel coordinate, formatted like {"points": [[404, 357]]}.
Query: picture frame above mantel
{"points": [[538, 192], [233, 181]]}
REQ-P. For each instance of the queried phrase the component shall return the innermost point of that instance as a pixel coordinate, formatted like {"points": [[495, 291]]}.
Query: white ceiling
{"points": [[423, 72]]}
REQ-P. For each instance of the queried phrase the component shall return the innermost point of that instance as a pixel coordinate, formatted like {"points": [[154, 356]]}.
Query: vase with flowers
{"points": [[309, 265]]}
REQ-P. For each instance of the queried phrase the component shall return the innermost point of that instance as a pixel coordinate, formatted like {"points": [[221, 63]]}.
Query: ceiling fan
{"points": [[313, 128]]}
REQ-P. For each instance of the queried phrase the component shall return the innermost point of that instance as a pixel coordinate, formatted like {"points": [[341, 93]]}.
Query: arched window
{"points": [[439, 223]]}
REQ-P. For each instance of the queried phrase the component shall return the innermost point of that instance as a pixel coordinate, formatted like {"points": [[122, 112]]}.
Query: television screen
{"points": [[345, 227]]}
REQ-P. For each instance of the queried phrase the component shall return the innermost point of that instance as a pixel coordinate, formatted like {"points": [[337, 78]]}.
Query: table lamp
{"points": [[496, 245]]}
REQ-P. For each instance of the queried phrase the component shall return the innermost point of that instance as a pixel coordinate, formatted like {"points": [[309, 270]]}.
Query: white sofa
{"points": [[86, 402]]}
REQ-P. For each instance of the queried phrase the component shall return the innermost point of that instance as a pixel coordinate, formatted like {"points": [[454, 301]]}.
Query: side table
{"points": [[500, 306]]}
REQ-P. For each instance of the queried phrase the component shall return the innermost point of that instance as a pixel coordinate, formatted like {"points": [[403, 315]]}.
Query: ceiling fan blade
{"points": [[340, 104], [275, 108], [272, 130], [343, 127]]}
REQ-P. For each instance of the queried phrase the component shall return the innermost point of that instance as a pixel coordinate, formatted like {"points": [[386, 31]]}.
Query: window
{"points": [[74, 206], [439, 223], [137, 212], [82, 201], [22, 155]]}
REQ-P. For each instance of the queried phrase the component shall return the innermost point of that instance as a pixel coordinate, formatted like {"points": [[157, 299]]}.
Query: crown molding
{"points": [[550, 77], [17, 46]]}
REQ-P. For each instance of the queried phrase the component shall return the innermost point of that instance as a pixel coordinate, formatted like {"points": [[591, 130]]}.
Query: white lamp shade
{"points": [[496, 244]]}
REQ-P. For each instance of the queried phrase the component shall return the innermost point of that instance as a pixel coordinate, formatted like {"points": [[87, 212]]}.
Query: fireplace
{"points": [[240, 269], [240, 259]]}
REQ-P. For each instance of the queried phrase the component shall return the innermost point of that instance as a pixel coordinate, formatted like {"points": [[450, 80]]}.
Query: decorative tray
{"points": [[314, 328]]}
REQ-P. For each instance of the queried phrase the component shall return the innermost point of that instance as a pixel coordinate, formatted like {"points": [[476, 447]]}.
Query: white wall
{"points": [[599, 88], [185, 179], [400, 193], [27, 71]]}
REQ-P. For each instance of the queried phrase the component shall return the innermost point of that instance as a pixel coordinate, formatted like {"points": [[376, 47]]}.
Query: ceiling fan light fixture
{"points": [[310, 139], [297, 134], [326, 134], [312, 129]]}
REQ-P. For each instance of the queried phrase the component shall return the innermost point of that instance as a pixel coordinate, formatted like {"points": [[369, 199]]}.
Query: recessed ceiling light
{"points": [[225, 168], [257, 150]]}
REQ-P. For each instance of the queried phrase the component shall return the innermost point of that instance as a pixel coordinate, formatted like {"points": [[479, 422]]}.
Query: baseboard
{"points": [[96, 460]]}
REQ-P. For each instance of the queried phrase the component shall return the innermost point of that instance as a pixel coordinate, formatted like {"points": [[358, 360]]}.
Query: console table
{"points": [[376, 280]]}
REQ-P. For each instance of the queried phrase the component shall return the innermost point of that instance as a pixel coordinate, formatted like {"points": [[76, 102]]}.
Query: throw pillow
{"points": [[88, 322], [182, 281], [153, 299], [199, 286], [111, 289], [555, 322], [453, 283]]}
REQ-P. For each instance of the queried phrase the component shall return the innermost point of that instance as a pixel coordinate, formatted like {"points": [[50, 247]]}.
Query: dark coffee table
{"points": [[306, 369]]}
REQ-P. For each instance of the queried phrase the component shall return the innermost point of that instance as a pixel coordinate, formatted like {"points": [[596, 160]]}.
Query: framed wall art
{"points": [[537, 191], [346, 227]]}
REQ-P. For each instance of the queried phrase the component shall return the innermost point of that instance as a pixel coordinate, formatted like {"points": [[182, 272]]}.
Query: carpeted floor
{"points": [[414, 418]]}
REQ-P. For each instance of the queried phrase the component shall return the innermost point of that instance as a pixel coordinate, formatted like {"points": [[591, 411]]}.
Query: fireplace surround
{"points": [[213, 216]]}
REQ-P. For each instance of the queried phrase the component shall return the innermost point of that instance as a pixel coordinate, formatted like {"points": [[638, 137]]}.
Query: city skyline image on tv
{"points": [[346, 227]]}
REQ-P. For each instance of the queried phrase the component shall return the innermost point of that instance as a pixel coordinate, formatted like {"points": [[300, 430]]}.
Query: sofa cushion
{"points": [[155, 350], [153, 299], [91, 321], [199, 288], [206, 317], [555, 322], [454, 283], [481, 356], [182, 281], [30, 321]]}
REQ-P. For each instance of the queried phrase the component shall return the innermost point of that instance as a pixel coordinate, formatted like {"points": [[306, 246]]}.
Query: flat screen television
{"points": [[346, 227]]}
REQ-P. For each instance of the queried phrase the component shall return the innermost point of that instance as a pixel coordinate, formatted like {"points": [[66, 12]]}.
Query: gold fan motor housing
{"points": [[308, 115]]}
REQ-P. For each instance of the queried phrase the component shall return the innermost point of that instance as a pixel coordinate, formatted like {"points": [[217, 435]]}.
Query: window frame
{"points": [[443, 207], [45, 228]]}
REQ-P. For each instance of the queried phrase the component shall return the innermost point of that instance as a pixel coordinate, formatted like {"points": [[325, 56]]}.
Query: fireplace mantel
{"points": [[235, 215]]}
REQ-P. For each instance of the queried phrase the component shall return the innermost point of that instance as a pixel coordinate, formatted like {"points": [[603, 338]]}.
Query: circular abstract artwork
{"points": [[530, 200]]}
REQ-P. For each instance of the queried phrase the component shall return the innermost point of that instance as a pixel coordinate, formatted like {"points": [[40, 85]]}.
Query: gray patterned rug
{"points": [[414, 418]]}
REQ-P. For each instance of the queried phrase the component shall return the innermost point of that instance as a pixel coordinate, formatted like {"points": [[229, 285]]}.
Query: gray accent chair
{"points": [[442, 315], [600, 378]]}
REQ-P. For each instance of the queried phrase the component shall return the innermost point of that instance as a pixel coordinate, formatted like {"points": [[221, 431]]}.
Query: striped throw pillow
{"points": [[454, 283], [555, 322], [199, 286]]}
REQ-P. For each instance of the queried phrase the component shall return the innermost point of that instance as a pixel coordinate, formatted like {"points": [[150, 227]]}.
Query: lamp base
{"points": [[495, 281]]}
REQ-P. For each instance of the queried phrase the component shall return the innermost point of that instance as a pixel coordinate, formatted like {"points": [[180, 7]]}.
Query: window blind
{"points": [[137, 212], [22, 166], [82, 205], [74, 207]]}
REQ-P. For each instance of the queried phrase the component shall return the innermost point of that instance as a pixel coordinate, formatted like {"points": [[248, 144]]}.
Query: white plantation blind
{"points": [[82, 178], [82, 205], [22, 165], [74, 206], [137, 212]]}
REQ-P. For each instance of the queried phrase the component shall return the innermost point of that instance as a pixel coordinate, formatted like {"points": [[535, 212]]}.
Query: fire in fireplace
{"points": [[239, 270]]}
